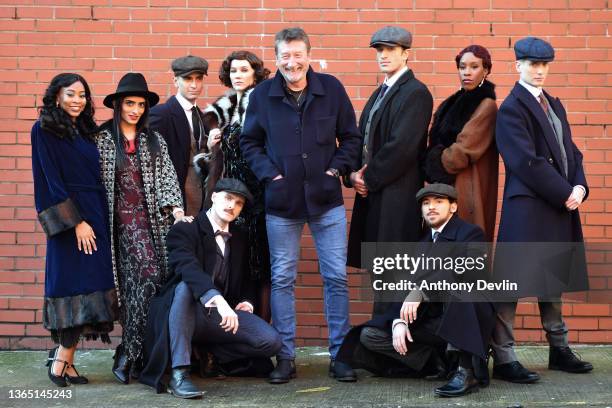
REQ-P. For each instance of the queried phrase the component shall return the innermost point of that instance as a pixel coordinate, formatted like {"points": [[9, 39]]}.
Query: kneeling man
{"points": [[415, 342], [208, 297]]}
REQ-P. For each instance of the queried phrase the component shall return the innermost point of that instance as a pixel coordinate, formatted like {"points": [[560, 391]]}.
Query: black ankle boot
{"points": [[121, 366], [462, 383], [181, 386], [564, 359], [284, 371]]}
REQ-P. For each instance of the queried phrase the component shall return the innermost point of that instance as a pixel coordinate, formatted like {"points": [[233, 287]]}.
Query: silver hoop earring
{"points": [[481, 82]]}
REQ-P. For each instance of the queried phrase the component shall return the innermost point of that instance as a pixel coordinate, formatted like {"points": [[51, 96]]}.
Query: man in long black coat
{"points": [[207, 300], [394, 124], [545, 184], [401, 341], [179, 121]]}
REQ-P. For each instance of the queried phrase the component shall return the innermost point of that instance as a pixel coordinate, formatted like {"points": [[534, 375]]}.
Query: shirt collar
{"points": [[439, 229], [391, 81], [214, 225], [184, 102], [534, 90]]}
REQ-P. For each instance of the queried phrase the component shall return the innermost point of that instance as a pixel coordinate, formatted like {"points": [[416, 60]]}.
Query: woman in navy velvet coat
{"points": [[80, 299]]}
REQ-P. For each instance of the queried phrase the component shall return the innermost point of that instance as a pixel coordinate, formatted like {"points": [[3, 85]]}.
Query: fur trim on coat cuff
{"points": [[59, 217], [434, 168]]}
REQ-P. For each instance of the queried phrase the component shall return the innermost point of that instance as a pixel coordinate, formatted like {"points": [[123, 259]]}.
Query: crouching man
{"points": [[415, 338], [207, 300]]}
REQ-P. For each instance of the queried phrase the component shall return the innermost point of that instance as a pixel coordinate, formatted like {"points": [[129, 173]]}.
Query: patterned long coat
{"points": [[161, 191]]}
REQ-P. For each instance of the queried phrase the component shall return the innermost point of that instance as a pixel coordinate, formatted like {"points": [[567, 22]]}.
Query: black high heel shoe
{"points": [[78, 379], [58, 380]]}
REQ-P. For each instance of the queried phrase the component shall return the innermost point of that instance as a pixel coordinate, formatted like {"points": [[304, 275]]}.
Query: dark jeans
{"points": [[190, 322]]}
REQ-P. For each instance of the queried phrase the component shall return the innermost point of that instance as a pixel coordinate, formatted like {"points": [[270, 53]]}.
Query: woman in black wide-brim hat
{"points": [[144, 200]]}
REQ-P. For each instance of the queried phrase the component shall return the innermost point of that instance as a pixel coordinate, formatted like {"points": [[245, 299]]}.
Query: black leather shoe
{"points": [[342, 371], [481, 371], [58, 380], [462, 383], [564, 359], [181, 386], [284, 371], [121, 366], [514, 372], [77, 379]]}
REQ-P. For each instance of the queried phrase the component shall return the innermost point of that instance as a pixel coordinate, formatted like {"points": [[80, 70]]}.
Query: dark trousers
{"points": [[190, 322], [419, 353], [502, 340]]}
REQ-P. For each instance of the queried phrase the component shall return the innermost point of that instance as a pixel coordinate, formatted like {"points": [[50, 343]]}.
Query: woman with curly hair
{"points": [[462, 149], [240, 71], [80, 299], [144, 199]]}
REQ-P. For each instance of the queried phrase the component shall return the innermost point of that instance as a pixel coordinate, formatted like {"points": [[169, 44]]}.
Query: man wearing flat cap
{"points": [[208, 300], [394, 126], [410, 338], [545, 185], [179, 121], [299, 137]]}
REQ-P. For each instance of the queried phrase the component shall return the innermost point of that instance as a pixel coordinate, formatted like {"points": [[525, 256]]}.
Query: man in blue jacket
{"points": [[545, 184], [299, 137]]}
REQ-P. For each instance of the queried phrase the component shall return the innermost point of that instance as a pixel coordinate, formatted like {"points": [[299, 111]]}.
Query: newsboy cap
{"points": [[186, 65], [235, 186], [392, 35], [533, 49], [438, 190]]}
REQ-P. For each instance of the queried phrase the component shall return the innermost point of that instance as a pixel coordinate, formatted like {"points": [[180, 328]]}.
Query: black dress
{"points": [[252, 219]]}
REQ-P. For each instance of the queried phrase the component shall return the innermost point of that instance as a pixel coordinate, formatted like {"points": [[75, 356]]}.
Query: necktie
{"points": [[225, 235], [383, 90], [436, 235], [197, 125], [543, 102]]}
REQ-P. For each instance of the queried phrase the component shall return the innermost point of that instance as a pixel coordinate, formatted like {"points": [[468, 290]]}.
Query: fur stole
{"points": [[219, 114], [209, 164]]}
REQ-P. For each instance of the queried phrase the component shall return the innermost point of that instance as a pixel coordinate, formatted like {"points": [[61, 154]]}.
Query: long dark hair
{"points": [[114, 125], [56, 121]]}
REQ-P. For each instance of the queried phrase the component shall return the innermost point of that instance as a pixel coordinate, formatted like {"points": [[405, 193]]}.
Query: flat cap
{"points": [[232, 185], [438, 190], [533, 49], [186, 65], [392, 35]]}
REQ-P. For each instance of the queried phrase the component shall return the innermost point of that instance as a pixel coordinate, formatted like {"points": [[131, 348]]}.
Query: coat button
{"points": [[304, 155], [550, 160]]}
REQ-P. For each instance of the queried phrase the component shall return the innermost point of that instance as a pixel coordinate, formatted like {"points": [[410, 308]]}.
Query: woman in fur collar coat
{"points": [[462, 148], [80, 299], [240, 71]]}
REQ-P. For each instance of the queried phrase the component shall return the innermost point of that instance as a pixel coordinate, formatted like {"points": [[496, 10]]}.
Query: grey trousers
{"points": [[190, 322], [502, 339]]}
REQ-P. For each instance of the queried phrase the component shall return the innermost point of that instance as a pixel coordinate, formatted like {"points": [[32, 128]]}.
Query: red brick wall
{"points": [[102, 41]]}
